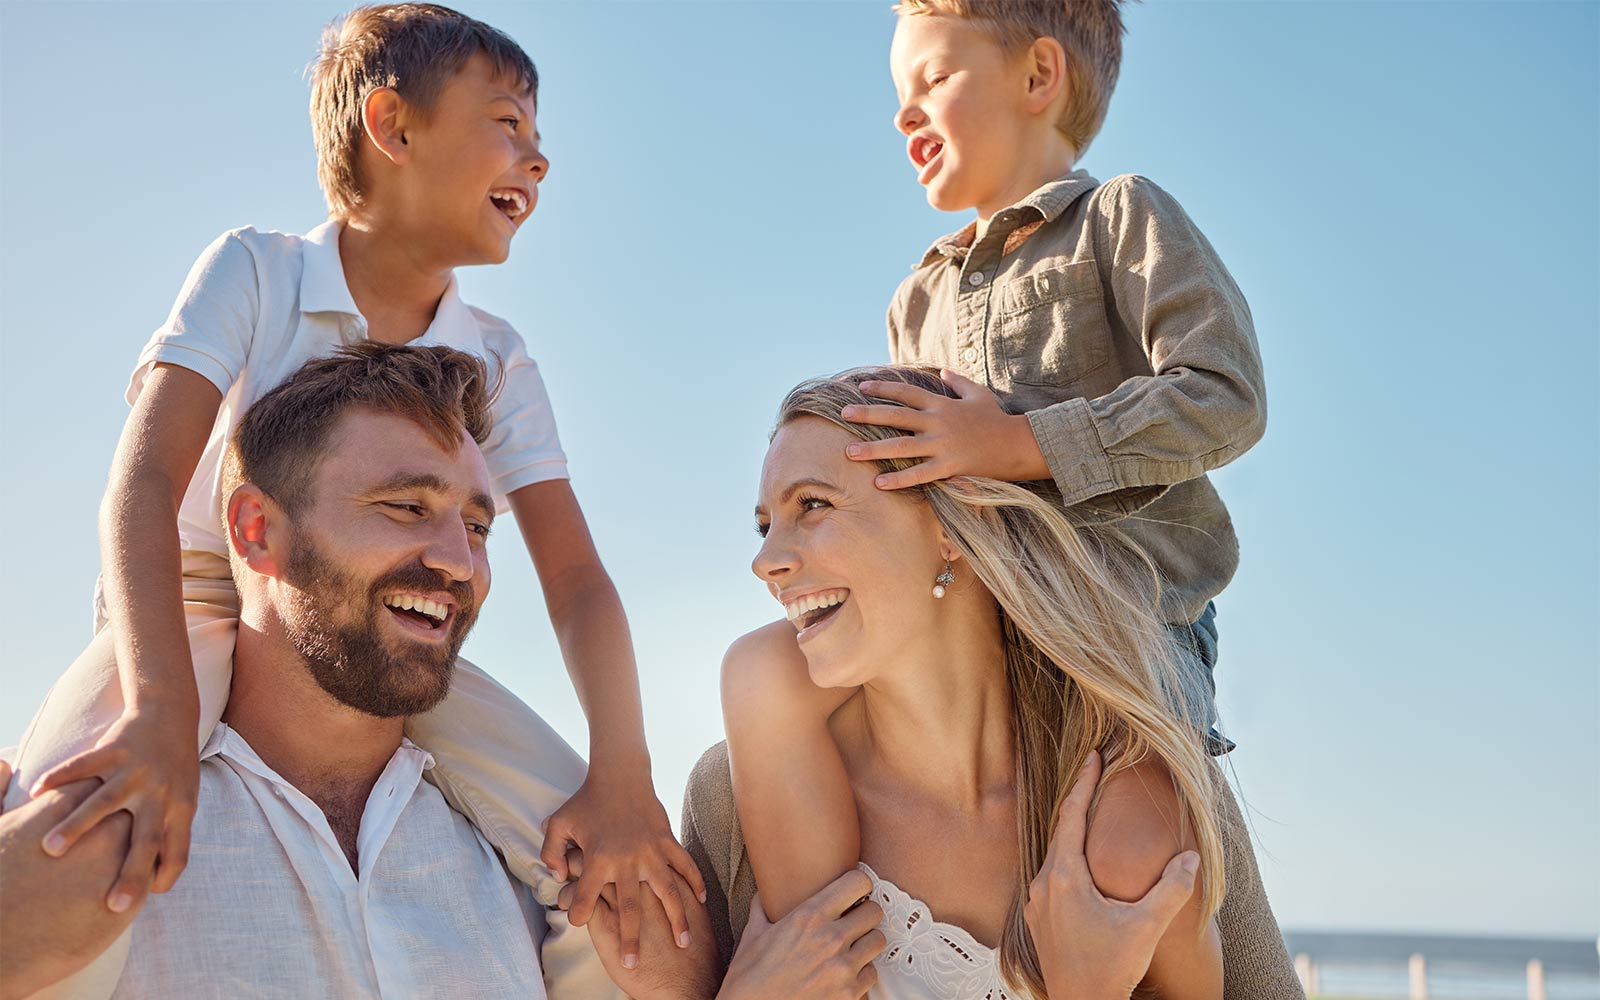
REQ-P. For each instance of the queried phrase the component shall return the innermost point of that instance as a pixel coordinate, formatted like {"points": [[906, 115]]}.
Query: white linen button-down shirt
{"points": [[269, 906]]}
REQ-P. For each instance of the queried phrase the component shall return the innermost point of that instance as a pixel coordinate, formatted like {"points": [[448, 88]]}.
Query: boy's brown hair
{"points": [[1090, 32], [414, 48], [281, 439]]}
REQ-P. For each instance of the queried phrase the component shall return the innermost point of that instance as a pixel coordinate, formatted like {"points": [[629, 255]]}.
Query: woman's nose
{"points": [[774, 560]]}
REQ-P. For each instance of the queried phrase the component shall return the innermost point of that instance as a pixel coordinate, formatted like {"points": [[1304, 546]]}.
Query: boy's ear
{"points": [[383, 116], [252, 516], [1047, 73]]}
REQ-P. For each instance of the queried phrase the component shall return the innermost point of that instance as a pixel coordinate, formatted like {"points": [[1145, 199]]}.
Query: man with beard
{"points": [[321, 864]]}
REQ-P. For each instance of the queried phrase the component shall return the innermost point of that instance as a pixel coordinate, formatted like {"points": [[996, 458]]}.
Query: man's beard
{"points": [[352, 662]]}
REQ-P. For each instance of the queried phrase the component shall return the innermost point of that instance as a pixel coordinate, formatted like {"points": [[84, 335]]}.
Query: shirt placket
{"points": [[976, 279], [975, 300]]}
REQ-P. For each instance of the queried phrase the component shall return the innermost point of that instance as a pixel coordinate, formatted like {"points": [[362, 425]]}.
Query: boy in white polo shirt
{"points": [[429, 158]]}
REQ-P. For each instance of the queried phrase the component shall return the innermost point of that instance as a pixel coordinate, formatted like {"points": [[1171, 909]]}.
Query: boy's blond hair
{"points": [[414, 48], [1090, 32]]}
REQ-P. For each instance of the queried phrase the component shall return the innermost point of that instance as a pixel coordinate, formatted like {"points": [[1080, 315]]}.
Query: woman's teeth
{"points": [[814, 602]]}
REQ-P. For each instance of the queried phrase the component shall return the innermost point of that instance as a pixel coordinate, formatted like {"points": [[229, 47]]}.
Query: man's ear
{"points": [[383, 119], [251, 517], [1047, 73]]}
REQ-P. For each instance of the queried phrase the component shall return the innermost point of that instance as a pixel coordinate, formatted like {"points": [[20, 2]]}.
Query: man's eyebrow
{"points": [[796, 487], [402, 481]]}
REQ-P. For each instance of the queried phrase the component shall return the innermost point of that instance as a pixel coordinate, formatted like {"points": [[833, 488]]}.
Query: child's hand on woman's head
{"points": [[149, 767], [627, 843], [970, 435]]}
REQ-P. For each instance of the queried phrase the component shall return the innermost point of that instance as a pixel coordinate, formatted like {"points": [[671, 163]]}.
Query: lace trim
{"points": [[948, 961]]}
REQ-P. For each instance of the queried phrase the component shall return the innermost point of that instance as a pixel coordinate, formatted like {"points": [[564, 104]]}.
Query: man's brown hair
{"points": [[1090, 32], [414, 48], [281, 440]]}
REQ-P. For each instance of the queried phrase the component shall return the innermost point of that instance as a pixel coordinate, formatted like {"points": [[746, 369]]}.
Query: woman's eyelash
{"points": [[803, 501]]}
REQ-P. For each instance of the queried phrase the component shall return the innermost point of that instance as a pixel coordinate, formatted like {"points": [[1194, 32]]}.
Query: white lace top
{"points": [[928, 960]]}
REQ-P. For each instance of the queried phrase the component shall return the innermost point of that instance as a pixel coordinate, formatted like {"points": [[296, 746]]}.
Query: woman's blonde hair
{"points": [[1089, 663]]}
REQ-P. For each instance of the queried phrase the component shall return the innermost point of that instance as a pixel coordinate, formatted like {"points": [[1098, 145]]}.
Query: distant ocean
{"points": [[1459, 968]]}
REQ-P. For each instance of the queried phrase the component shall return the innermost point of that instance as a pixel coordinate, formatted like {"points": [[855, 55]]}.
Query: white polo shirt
{"points": [[256, 306]]}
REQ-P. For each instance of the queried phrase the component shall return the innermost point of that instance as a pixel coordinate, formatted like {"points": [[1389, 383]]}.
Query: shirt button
{"points": [[970, 355], [975, 278]]}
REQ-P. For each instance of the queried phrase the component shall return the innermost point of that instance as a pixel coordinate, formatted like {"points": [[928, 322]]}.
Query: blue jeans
{"points": [[1196, 644]]}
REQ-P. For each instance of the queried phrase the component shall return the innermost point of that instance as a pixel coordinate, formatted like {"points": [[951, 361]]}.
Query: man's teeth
{"points": [[813, 602], [409, 602], [513, 202]]}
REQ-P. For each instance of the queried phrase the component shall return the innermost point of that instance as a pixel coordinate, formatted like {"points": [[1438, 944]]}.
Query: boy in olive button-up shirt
{"points": [[1093, 341]]}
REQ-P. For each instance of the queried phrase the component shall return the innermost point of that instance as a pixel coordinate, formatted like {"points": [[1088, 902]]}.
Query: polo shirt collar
{"points": [[1044, 205], [323, 289]]}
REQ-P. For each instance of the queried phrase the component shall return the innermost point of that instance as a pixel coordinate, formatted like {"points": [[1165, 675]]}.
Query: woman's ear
{"points": [[251, 515], [1047, 73], [383, 116]]}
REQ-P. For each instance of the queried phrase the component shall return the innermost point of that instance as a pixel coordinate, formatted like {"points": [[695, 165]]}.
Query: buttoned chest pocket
{"points": [[1053, 329]]}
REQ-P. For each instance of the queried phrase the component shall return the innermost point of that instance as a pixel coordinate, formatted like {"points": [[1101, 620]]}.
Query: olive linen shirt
{"points": [[1101, 312]]}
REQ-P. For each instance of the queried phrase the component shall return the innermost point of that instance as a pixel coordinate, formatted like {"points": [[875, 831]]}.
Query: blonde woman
{"points": [[975, 656]]}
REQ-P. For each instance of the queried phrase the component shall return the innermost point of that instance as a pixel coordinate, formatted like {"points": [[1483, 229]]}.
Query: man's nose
{"points": [[450, 552]]}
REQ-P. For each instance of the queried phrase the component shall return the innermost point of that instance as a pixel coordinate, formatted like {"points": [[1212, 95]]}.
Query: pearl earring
{"points": [[942, 581]]}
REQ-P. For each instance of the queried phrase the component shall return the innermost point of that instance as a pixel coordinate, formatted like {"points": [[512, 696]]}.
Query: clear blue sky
{"points": [[1406, 192]]}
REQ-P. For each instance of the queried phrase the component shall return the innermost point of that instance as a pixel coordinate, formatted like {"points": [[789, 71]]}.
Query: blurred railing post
{"points": [[1419, 978], [1306, 969], [1536, 980]]}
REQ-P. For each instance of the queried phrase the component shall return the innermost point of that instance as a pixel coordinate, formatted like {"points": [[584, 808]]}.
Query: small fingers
{"points": [[89, 764], [628, 922], [553, 855], [901, 392], [681, 862], [922, 472], [174, 855], [903, 446], [665, 885], [104, 801], [134, 882], [902, 417], [964, 387], [585, 892], [5, 776]]}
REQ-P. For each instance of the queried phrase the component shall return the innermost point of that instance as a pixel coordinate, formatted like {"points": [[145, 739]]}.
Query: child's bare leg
{"points": [[793, 797], [502, 767]]}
